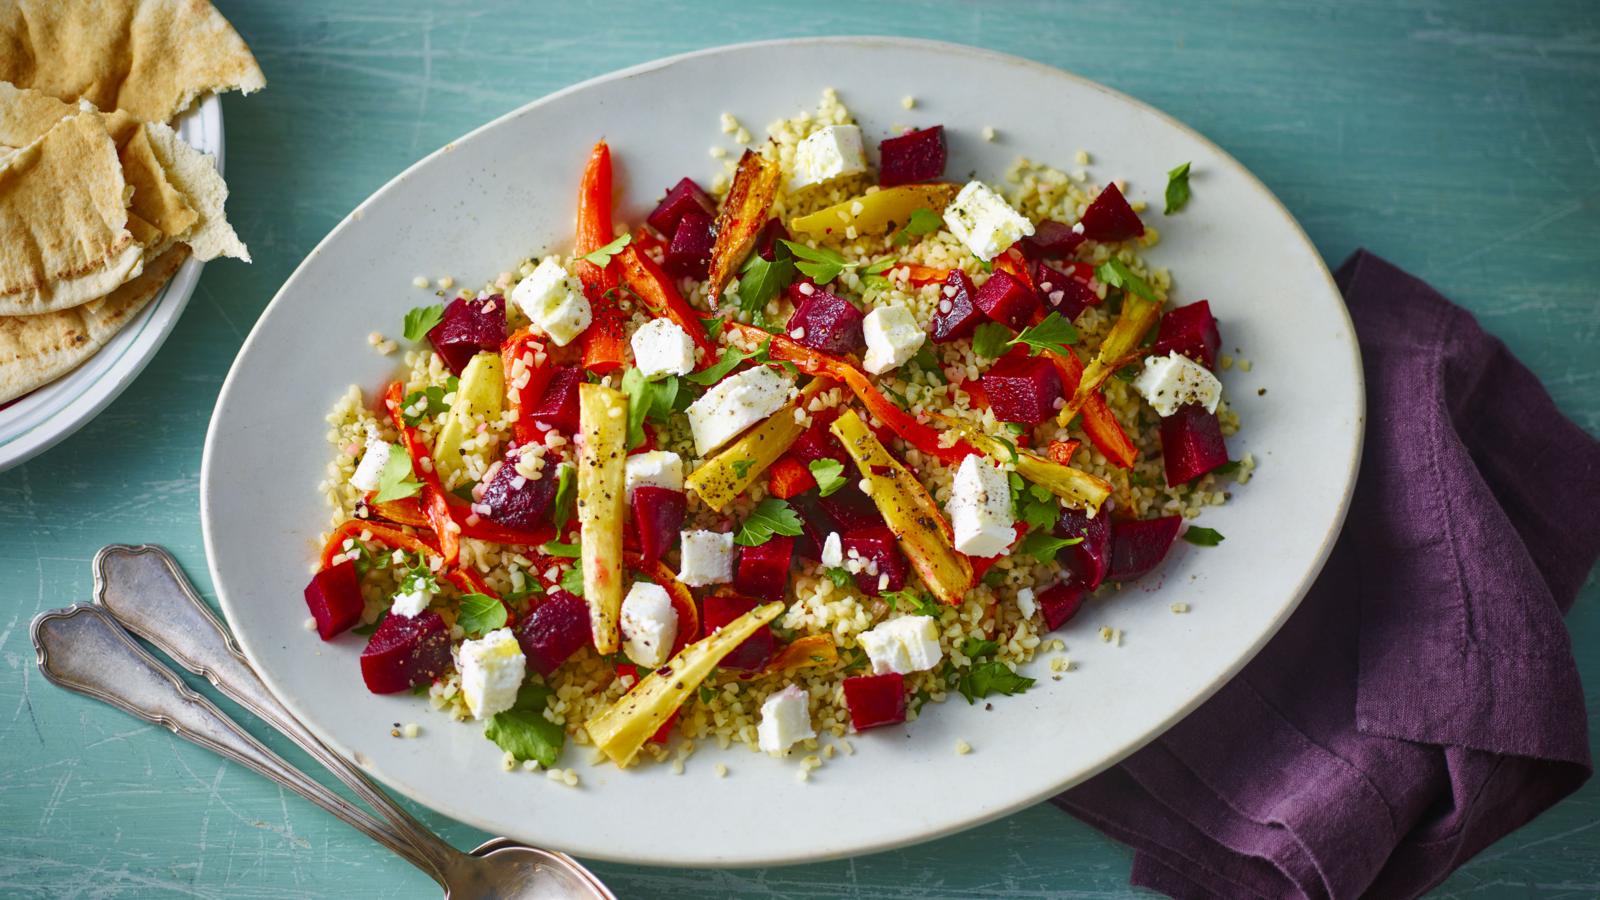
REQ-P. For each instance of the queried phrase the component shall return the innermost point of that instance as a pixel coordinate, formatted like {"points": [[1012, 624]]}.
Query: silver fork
{"points": [[85, 649]]}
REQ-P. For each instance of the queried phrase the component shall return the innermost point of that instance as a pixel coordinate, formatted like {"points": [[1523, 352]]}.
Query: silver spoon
{"points": [[85, 649]]}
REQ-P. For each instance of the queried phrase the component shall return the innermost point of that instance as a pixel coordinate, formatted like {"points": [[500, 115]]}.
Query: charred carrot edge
{"points": [[744, 213]]}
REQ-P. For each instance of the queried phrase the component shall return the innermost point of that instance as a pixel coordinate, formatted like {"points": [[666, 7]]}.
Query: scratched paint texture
{"points": [[1460, 139]]}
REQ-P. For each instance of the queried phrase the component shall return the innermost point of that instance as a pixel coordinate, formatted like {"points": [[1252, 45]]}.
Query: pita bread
{"points": [[35, 350], [152, 58], [166, 175], [63, 220]]}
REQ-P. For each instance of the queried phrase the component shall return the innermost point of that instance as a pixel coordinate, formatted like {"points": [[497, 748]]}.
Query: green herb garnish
{"points": [[714, 326], [561, 507], [771, 516], [741, 467], [1116, 274], [990, 340], [572, 581], [872, 276], [428, 402], [1177, 188], [1054, 333], [1043, 546], [647, 399], [422, 320], [1203, 537], [829, 474], [524, 732], [977, 648], [992, 677], [839, 577], [922, 221], [760, 280], [564, 551], [480, 614], [395, 481], [921, 604], [602, 256], [928, 362]]}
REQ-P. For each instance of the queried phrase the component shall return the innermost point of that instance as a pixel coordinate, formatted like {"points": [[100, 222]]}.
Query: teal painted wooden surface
{"points": [[1460, 139]]}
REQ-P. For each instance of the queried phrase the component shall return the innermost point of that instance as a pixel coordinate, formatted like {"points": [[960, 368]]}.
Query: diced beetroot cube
{"points": [[1110, 218], [515, 501], [822, 320], [334, 598], [685, 197], [880, 555], [875, 700], [767, 240], [957, 314], [1022, 388], [554, 630], [468, 328], [1191, 443], [911, 157], [1190, 330], [720, 609], [558, 408], [1060, 602], [764, 569], [658, 514], [1089, 560], [689, 254], [1050, 239], [817, 442], [1063, 293], [1139, 545], [850, 509], [1004, 298], [405, 652]]}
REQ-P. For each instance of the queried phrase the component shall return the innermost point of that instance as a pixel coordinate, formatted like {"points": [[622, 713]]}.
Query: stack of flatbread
{"points": [[100, 200]]}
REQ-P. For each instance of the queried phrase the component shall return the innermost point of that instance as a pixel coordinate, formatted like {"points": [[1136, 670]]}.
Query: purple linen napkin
{"points": [[1423, 701]]}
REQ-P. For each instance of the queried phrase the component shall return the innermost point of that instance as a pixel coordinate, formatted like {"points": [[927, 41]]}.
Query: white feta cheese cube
{"points": [[785, 720], [707, 558], [411, 603], [554, 300], [1026, 604], [893, 337], [649, 624], [980, 508], [656, 468], [365, 477], [1175, 380], [828, 153], [660, 347], [492, 669], [833, 550], [904, 645], [736, 403], [984, 221]]}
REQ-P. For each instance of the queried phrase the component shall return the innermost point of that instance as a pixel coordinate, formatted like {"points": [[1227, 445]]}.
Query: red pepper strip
{"points": [[982, 564], [1138, 316], [923, 437], [405, 511], [1062, 451], [1013, 263], [470, 582], [604, 342], [1103, 429], [646, 279], [388, 535], [682, 599], [433, 492], [409, 511], [522, 345], [787, 477], [919, 275]]}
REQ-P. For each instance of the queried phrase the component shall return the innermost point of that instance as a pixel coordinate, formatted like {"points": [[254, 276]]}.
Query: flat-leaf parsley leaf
{"points": [[771, 516], [480, 614], [422, 320], [829, 474], [395, 481], [1203, 537], [602, 256], [1177, 188]]}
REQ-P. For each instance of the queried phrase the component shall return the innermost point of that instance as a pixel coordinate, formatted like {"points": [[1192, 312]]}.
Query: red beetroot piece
{"points": [[658, 515], [1022, 388], [1190, 330], [720, 609], [763, 570], [815, 526], [1050, 239], [558, 408], [334, 598], [1139, 545], [515, 501], [875, 700], [1004, 298], [958, 313], [469, 327], [911, 157], [817, 442], [554, 630], [880, 555], [767, 240], [684, 198], [1063, 293], [1110, 218], [824, 321], [689, 254], [1060, 602], [1191, 443], [1088, 560], [405, 652], [850, 509]]}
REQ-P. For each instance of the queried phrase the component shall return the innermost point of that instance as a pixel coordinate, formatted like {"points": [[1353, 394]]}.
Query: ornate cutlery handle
{"points": [[83, 649], [144, 589]]}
